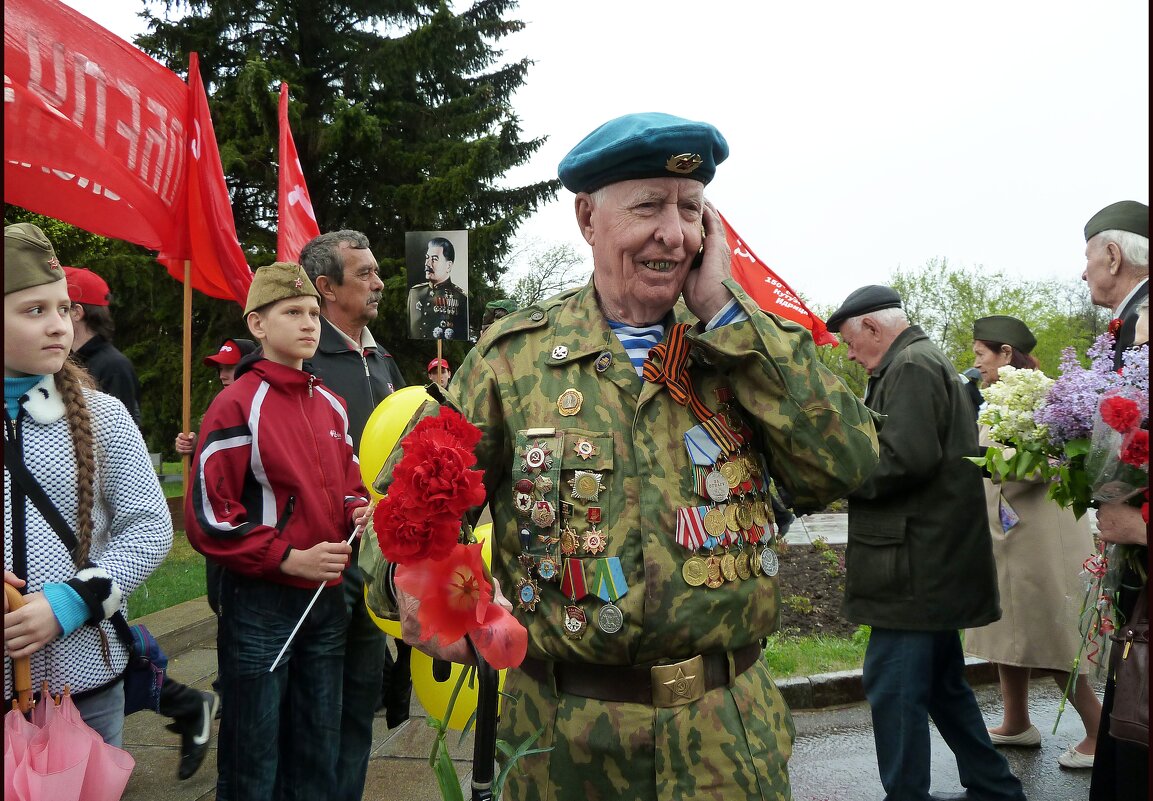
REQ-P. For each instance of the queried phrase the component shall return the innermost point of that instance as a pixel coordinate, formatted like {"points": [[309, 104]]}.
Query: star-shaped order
{"points": [[681, 685]]}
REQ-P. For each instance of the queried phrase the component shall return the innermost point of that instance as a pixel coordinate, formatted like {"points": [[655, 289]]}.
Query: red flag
{"points": [[296, 223], [208, 233], [100, 135], [94, 129], [769, 291]]}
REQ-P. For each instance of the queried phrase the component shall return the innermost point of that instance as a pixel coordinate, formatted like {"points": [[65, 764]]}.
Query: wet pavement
{"points": [[834, 757]]}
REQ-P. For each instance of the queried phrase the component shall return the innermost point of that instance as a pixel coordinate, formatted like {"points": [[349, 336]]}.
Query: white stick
{"points": [[356, 533]]}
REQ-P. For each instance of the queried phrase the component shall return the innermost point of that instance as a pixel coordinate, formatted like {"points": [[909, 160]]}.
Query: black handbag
{"points": [[147, 662], [1129, 719]]}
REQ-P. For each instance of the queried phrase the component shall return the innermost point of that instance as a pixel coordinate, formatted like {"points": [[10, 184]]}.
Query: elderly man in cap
{"points": [[1117, 265], [1117, 271], [919, 564], [629, 431]]}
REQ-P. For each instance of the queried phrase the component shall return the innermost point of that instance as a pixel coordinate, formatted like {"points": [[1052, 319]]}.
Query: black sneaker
{"points": [[194, 735]]}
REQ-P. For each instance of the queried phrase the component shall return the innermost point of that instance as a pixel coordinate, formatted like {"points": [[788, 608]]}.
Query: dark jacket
{"points": [[1128, 318], [362, 380], [113, 373], [920, 554]]}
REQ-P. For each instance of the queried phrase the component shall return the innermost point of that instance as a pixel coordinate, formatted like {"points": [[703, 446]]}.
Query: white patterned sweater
{"points": [[132, 528]]}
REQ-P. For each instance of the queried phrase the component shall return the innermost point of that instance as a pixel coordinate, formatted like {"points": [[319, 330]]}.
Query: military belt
{"points": [[661, 685]]}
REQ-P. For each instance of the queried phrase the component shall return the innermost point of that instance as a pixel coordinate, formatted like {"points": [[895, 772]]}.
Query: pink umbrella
{"points": [[57, 756]]}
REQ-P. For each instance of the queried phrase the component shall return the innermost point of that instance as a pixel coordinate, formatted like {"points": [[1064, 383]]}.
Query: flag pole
{"points": [[186, 399]]}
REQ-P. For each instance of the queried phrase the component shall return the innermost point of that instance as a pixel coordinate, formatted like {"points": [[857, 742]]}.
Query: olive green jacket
{"points": [[819, 441], [920, 555]]}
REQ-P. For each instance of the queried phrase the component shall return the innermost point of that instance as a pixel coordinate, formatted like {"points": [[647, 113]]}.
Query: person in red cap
{"points": [[225, 361], [92, 346], [439, 372]]}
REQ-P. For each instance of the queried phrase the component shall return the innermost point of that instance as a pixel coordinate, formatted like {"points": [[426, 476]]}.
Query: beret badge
{"points": [[684, 163]]}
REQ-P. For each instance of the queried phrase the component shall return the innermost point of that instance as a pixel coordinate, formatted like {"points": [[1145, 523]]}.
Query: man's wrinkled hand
{"points": [[459, 651], [703, 291]]}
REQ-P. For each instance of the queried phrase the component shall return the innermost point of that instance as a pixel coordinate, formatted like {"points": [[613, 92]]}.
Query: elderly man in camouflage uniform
{"points": [[629, 487]]}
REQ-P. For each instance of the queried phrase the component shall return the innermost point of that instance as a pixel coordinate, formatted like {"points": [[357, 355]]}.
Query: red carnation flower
{"points": [[451, 427], [1121, 413], [440, 478], [404, 538], [1114, 327], [1135, 448]]}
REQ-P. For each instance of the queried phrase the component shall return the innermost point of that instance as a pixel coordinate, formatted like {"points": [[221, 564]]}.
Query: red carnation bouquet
{"points": [[418, 526], [1118, 459]]}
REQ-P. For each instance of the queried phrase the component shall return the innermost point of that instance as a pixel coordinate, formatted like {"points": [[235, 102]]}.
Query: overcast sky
{"points": [[864, 136]]}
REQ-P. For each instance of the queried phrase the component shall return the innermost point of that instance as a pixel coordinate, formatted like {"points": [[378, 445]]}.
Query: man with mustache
{"points": [[438, 308], [359, 369]]}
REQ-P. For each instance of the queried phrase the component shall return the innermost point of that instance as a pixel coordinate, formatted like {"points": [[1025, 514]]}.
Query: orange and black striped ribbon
{"points": [[673, 354]]}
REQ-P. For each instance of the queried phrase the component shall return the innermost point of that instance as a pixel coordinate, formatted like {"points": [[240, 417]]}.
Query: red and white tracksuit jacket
{"points": [[274, 468]]}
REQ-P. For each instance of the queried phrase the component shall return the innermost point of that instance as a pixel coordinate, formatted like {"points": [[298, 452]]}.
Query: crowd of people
{"points": [[637, 435]]}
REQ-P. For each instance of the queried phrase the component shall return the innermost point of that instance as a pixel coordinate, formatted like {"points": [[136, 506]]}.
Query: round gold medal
{"points": [[732, 473], [694, 571], [731, 517], [760, 516], [744, 515], [755, 561], [569, 542], [729, 567], [744, 568], [713, 577], [714, 522]]}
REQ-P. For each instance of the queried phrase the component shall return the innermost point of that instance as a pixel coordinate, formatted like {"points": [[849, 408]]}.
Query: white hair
{"points": [[1134, 247], [886, 318]]}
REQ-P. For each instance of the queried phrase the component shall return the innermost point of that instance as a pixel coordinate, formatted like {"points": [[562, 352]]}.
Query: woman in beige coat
{"points": [[1039, 548]]}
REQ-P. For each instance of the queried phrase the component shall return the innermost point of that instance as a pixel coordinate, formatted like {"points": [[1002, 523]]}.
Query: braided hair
{"points": [[71, 381]]}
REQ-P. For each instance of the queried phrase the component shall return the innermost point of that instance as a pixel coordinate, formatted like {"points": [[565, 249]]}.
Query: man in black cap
{"points": [[1117, 265], [919, 564], [1117, 271]]}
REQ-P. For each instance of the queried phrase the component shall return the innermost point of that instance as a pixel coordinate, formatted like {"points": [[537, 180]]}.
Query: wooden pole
{"points": [[186, 399]]}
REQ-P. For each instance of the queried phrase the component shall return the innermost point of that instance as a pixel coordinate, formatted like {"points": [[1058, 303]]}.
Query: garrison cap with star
{"points": [[646, 145], [1124, 215], [278, 281], [29, 258], [862, 301], [1005, 329]]}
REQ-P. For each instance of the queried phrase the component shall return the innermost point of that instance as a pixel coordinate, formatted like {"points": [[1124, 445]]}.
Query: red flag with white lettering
{"points": [[93, 128], [100, 135], [207, 235], [769, 291], [296, 221]]}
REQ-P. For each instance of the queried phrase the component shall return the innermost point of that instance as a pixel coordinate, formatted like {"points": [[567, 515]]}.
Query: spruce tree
{"points": [[401, 111]]}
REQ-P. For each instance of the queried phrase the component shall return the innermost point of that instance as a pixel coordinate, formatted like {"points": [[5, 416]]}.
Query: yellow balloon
{"points": [[434, 695], [384, 429], [389, 627]]}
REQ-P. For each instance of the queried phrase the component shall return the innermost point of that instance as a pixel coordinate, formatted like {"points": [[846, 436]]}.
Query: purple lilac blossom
{"points": [[1072, 400]]}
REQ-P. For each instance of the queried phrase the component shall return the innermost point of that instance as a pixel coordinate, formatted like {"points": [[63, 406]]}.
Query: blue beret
{"points": [[648, 145], [862, 301]]}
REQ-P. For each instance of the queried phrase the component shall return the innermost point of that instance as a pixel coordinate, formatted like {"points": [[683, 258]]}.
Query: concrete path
{"points": [[833, 760]]}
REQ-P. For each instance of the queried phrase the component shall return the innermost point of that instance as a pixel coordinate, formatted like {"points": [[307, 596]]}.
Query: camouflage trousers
{"points": [[734, 743]]}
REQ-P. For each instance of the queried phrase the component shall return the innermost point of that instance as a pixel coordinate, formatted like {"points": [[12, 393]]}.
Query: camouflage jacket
{"points": [[817, 438]]}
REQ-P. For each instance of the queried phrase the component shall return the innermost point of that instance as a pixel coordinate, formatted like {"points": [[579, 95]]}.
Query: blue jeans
{"points": [[302, 699], [104, 713], [910, 676], [363, 665]]}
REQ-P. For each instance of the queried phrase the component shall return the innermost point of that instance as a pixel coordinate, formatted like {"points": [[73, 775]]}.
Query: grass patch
{"points": [[791, 655], [179, 578]]}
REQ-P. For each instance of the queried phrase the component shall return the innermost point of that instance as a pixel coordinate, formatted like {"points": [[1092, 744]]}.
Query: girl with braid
{"points": [[86, 454]]}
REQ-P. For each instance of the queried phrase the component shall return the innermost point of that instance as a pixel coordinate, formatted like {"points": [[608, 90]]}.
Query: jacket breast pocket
{"points": [[877, 563]]}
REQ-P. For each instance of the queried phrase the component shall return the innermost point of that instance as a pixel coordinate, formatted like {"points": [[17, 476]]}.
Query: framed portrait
{"points": [[437, 264]]}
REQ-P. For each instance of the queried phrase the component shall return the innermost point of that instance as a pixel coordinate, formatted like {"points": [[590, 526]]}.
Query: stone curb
{"points": [[182, 627], [846, 687]]}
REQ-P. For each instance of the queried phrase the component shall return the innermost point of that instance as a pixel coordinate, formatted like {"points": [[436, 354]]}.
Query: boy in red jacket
{"points": [[276, 492]]}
